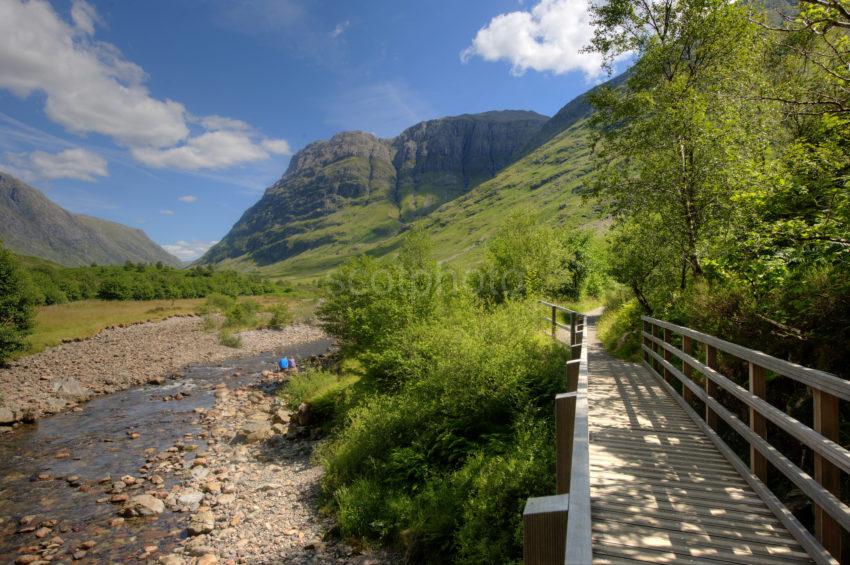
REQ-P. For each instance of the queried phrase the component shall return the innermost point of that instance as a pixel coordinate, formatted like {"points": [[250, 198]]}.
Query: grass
{"points": [[79, 320]]}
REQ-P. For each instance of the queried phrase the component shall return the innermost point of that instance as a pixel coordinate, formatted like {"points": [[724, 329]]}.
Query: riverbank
{"points": [[115, 359]]}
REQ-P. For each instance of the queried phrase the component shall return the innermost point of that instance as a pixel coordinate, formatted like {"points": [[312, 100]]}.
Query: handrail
{"points": [[579, 537], [557, 529], [831, 459], [558, 307], [822, 380]]}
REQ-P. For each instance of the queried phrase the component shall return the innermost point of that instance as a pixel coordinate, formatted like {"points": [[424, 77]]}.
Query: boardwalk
{"points": [[660, 490]]}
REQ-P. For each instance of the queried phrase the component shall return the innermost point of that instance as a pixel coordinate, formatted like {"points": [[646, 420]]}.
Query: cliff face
{"points": [[378, 184], [30, 224]]}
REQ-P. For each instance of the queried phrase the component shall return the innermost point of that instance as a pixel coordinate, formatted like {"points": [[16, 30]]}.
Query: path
{"points": [[660, 490]]}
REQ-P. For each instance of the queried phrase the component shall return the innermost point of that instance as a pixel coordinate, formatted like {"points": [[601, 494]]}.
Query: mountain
{"points": [[458, 177], [30, 224], [356, 188]]}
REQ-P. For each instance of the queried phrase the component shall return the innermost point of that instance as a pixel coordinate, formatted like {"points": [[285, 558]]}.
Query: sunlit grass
{"points": [[79, 320]]}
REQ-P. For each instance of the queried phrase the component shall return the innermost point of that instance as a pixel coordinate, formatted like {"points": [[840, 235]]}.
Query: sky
{"points": [[173, 116]]}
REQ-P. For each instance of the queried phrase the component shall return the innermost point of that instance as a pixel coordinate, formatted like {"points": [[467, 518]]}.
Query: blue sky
{"points": [[174, 116]]}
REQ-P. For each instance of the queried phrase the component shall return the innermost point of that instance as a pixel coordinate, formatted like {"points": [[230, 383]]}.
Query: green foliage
{"points": [[55, 284], [528, 259], [281, 317], [369, 302], [242, 314], [16, 305], [619, 327], [726, 164], [229, 339], [468, 386]]}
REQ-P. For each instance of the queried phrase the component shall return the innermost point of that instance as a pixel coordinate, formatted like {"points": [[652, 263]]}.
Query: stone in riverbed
{"points": [[190, 498], [256, 428], [70, 388], [201, 523], [208, 559], [6, 416], [171, 559], [143, 505]]}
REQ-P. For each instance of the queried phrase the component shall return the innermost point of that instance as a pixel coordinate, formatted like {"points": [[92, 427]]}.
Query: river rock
{"points": [[143, 505], [208, 559], [70, 388], [201, 523], [190, 498], [171, 559], [6, 415], [255, 430]]}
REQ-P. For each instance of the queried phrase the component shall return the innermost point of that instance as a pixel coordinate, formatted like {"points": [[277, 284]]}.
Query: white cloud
{"points": [[167, 212], [277, 146], [210, 150], [189, 250], [340, 28], [89, 87], [69, 164], [549, 37], [188, 199], [84, 16]]}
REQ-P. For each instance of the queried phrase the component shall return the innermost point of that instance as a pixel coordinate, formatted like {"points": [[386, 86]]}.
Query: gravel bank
{"points": [[116, 359]]}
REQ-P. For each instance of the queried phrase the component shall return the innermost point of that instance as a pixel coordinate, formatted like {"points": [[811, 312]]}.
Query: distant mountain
{"points": [[356, 188], [458, 177], [30, 224]]}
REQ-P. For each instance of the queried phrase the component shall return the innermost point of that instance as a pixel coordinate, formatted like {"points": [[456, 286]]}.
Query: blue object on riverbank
{"points": [[283, 364]]}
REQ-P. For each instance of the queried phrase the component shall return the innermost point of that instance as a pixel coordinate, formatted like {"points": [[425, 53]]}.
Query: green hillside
{"points": [[549, 180]]}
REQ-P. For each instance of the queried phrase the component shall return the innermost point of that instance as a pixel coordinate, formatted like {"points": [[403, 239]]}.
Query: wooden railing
{"points": [[557, 529], [668, 362]]}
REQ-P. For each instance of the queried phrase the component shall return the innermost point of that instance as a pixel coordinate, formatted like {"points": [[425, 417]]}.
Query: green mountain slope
{"points": [[356, 190], [357, 194], [30, 224], [549, 180]]}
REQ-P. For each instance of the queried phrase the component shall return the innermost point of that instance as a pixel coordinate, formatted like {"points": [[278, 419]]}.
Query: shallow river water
{"points": [[37, 460]]}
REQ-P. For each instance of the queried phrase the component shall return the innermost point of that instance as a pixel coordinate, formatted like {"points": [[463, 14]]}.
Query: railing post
{"points": [[554, 320], [572, 328], [687, 347], [565, 419], [572, 374], [654, 347], [668, 376], [579, 329], [544, 530], [647, 328], [710, 386], [758, 386], [827, 530]]}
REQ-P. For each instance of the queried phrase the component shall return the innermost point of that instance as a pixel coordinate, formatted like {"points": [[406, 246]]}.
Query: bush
{"points": [[281, 317], [242, 314], [527, 259], [472, 382], [619, 327], [16, 306], [229, 339]]}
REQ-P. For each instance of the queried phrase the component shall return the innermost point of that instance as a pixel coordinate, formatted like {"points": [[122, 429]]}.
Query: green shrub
{"points": [[229, 339], [619, 327], [281, 317], [16, 306], [217, 302], [469, 381], [242, 314]]}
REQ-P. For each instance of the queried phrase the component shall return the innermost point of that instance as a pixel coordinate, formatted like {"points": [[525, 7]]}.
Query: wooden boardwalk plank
{"points": [[661, 492]]}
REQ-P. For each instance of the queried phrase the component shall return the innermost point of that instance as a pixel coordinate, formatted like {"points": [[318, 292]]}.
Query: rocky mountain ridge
{"points": [[392, 181]]}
